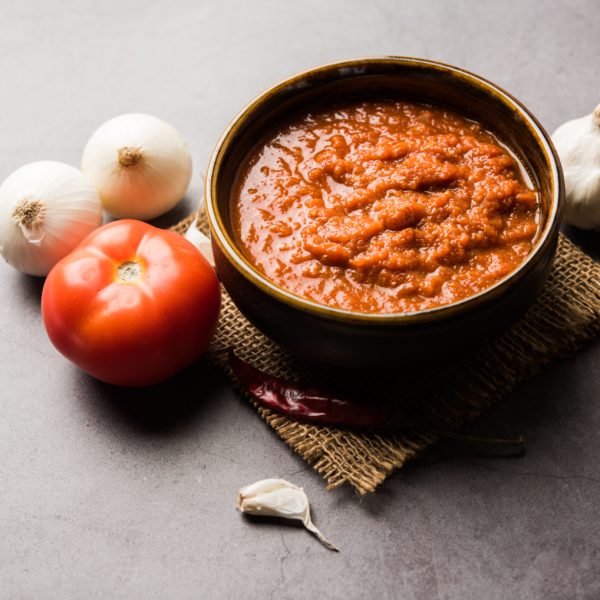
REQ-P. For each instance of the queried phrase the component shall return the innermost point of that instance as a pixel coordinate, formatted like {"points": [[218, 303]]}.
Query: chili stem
{"points": [[459, 437]]}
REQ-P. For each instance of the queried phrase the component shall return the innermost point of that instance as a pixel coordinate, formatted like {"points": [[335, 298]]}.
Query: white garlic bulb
{"points": [[279, 498], [578, 145], [46, 209], [139, 164]]}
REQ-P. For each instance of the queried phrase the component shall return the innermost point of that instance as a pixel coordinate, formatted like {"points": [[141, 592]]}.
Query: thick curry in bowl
{"points": [[384, 207]]}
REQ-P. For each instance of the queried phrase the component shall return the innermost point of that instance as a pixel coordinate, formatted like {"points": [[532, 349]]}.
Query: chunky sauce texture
{"points": [[384, 207]]}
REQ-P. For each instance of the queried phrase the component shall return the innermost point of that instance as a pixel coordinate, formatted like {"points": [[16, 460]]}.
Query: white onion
{"points": [[139, 164], [46, 209]]}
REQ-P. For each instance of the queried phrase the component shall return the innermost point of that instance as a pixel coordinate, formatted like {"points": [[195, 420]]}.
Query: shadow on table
{"points": [[161, 409], [31, 288], [588, 241], [542, 409], [185, 207]]}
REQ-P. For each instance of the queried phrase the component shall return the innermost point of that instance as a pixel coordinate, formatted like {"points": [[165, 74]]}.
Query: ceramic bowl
{"points": [[358, 340]]}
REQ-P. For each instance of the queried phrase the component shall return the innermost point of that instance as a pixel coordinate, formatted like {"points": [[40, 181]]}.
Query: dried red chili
{"points": [[309, 403], [316, 406]]}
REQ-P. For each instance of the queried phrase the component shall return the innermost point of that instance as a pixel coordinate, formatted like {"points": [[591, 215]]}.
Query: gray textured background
{"points": [[105, 494]]}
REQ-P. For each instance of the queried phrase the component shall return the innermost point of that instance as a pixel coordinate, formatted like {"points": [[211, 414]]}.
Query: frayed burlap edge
{"points": [[565, 317]]}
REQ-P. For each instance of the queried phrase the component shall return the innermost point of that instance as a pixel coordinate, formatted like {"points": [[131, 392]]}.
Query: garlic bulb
{"points": [[279, 498], [139, 164], [46, 209], [578, 145]]}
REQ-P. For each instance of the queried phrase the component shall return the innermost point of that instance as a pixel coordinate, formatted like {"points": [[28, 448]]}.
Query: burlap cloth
{"points": [[565, 316]]}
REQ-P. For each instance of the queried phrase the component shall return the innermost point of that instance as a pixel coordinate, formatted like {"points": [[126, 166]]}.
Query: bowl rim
{"points": [[248, 271]]}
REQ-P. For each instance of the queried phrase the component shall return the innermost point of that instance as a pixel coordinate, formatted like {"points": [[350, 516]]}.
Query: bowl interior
{"points": [[385, 78]]}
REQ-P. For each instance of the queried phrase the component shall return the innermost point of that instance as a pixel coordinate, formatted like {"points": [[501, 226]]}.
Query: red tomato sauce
{"points": [[384, 206]]}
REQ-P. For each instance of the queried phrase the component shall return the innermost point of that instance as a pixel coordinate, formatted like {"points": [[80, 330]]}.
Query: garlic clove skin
{"points": [[273, 498], [46, 209], [140, 165], [279, 498], [578, 145]]}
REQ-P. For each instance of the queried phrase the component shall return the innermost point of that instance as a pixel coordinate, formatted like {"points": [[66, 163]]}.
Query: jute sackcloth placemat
{"points": [[565, 316]]}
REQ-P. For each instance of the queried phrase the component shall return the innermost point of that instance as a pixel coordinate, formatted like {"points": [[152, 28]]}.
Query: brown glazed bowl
{"points": [[357, 340]]}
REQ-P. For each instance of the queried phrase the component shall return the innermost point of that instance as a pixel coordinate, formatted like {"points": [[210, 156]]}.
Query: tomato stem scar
{"points": [[129, 271]]}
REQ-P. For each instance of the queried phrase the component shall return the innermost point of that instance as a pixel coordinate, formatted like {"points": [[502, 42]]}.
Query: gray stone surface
{"points": [[105, 494]]}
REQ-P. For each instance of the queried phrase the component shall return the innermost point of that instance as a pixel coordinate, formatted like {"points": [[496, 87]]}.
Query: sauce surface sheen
{"points": [[384, 206]]}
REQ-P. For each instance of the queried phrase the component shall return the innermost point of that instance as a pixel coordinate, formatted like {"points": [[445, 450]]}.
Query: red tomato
{"points": [[132, 304]]}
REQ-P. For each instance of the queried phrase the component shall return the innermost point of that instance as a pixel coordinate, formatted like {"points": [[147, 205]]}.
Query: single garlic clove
{"points": [[279, 498], [201, 241]]}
